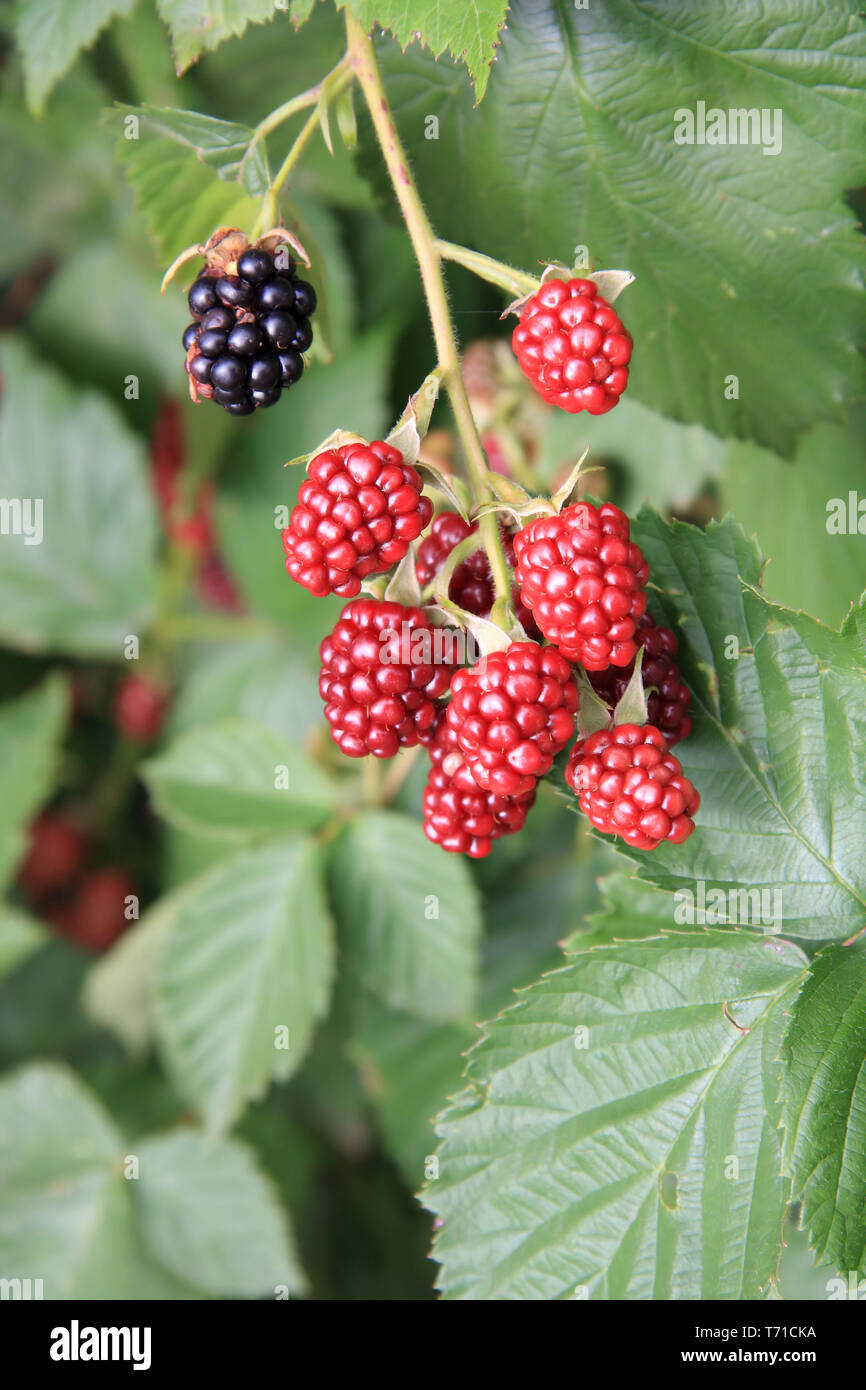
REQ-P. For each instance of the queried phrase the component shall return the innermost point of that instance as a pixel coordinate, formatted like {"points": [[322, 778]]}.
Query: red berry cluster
{"points": [[573, 347], [357, 512], [459, 815], [381, 678], [579, 583], [140, 706], [511, 714], [86, 905], [582, 578], [630, 784]]}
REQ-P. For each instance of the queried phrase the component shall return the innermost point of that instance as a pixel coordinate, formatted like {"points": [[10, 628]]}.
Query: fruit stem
{"points": [[426, 247], [342, 75], [486, 268]]}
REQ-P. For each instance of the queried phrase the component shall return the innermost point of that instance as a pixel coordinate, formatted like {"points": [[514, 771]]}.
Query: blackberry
{"points": [[357, 513], [265, 372], [244, 339], [460, 816], [303, 336], [251, 323], [276, 294], [382, 679], [471, 585], [212, 342], [202, 296], [668, 702], [583, 578], [630, 784], [305, 299], [255, 266], [573, 347], [280, 328], [511, 714]]}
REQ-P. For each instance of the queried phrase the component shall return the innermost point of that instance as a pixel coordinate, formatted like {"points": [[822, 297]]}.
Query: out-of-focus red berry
{"points": [[140, 706], [55, 856], [96, 916]]}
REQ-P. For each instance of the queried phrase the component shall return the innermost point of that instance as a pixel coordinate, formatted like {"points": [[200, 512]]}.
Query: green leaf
{"points": [[637, 1160], [733, 250], [651, 459], [811, 565], [469, 29], [629, 909], [63, 1201], [222, 145], [119, 990], [237, 780], [31, 729], [50, 33], [70, 1217], [824, 1105], [79, 319], [411, 1065], [183, 170], [250, 953], [267, 680], [20, 936], [198, 26], [209, 1216], [91, 579], [409, 916], [779, 705]]}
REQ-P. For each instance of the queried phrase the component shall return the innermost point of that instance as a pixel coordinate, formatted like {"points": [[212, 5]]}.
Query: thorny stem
{"points": [[428, 255]]}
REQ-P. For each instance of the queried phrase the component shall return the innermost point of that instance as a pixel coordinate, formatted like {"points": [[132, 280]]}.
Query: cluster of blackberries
{"points": [[579, 581], [249, 332]]}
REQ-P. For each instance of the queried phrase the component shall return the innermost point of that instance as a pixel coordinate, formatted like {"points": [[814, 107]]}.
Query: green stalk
{"points": [[363, 59]]}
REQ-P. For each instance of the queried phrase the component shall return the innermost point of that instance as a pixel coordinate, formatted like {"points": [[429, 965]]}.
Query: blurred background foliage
{"points": [[344, 1141]]}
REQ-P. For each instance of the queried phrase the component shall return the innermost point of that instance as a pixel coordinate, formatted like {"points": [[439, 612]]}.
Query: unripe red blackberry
{"points": [[96, 917], [582, 579], [511, 714], [471, 585], [357, 513], [668, 704], [140, 706], [630, 784], [458, 815], [55, 856], [573, 347], [251, 325], [384, 668]]}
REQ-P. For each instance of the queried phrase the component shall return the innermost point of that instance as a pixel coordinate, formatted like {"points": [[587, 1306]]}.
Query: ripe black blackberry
{"points": [[251, 323]]}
